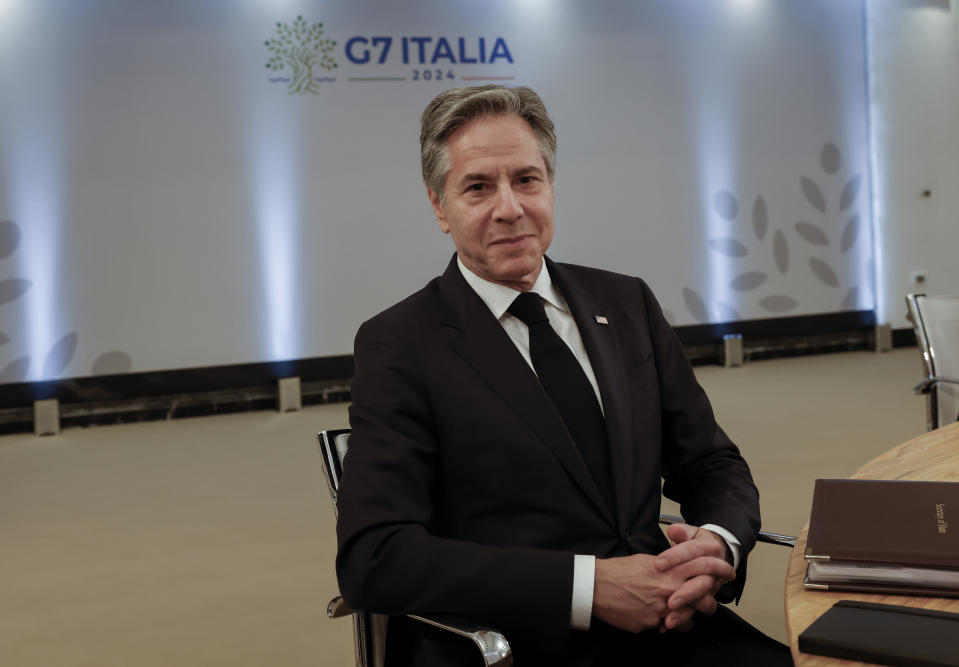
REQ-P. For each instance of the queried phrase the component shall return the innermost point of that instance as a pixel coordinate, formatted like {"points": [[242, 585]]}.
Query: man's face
{"points": [[499, 200]]}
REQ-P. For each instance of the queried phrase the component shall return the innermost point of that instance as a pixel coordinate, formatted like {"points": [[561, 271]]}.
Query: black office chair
{"points": [[369, 630], [935, 320]]}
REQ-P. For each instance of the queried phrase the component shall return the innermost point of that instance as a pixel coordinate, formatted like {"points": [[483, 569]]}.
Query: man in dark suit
{"points": [[507, 453]]}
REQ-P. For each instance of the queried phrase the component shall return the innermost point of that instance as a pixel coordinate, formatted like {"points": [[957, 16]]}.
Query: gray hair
{"points": [[456, 107]]}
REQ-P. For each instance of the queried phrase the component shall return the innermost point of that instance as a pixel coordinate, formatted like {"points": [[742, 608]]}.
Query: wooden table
{"points": [[931, 456]]}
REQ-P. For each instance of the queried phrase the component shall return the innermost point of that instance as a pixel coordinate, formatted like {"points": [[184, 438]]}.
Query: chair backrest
{"points": [[333, 445], [936, 322], [369, 630]]}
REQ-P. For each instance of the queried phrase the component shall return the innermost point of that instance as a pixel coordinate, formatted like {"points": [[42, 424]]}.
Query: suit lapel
{"points": [[481, 341], [603, 349]]}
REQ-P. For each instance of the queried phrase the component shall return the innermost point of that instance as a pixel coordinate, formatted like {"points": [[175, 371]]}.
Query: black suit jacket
{"points": [[463, 491]]}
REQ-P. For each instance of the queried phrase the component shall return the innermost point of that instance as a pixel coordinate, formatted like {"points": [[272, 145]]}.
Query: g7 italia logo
{"points": [[299, 51]]}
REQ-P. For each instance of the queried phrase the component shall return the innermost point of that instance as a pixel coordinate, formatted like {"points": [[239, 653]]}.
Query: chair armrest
{"points": [[762, 536], [926, 385], [337, 608], [776, 538], [492, 644]]}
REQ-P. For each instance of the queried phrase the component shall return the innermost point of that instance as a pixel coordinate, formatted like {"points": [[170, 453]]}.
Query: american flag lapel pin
{"points": [[600, 319]]}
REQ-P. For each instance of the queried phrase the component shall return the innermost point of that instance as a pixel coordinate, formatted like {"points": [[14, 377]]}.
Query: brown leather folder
{"points": [[885, 521]]}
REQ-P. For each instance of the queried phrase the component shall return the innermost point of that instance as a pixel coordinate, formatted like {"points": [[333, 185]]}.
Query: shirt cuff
{"points": [[584, 574], [734, 546]]}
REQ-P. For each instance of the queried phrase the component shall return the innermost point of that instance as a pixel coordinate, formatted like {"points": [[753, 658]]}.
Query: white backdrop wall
{"points": [[914, 53], [168, 200]]}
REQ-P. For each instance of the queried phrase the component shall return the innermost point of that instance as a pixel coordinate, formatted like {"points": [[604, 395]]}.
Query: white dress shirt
{"points": [[498, 298]]}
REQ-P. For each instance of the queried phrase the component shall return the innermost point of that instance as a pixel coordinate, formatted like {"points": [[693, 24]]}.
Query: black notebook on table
{"points": [[885, 634]]}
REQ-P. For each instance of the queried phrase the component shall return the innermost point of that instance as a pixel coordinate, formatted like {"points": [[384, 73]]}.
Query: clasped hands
{"points": [[642, 591]]}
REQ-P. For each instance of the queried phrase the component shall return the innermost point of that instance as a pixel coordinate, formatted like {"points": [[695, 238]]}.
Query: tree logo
{"points": [[302, 48]]}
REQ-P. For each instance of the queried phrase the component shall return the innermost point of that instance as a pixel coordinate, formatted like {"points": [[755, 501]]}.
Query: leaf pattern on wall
{"points": [[813, 194], [850, 233], [781, 252], [824, 272], [729, 247], [696, 305], [747, 281], [13, 289], [851, 300], [60, 356], [829, 158], [726, 312], [15, 371], [62, 353], [811, 233], [849, 192], [9, 238], [760, 218], [752, 277], [725, 204], [778, 303], [115, 361]]}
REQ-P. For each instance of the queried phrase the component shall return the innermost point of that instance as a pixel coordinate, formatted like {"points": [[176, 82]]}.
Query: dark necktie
{"points": [[570, 390]]}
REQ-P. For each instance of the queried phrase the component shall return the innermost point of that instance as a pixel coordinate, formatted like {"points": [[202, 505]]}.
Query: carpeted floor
{"points": [[209, 541]]}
